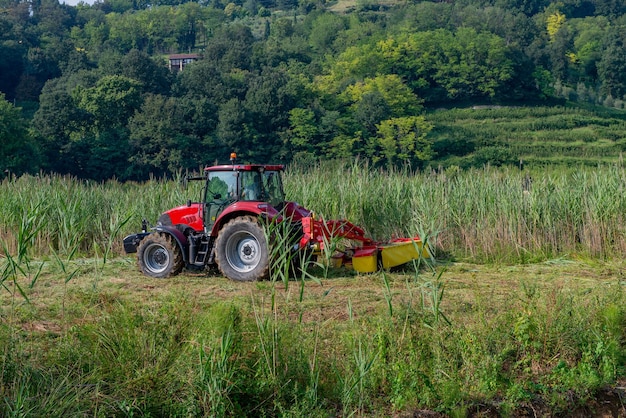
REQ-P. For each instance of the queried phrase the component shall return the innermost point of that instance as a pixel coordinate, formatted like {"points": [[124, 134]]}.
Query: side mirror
{"points": [[189, 203]]}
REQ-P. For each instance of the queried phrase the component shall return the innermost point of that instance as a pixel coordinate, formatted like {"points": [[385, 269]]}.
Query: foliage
{"points": [[436, 64], [110, 102], [160, 140], [402, 140], [18, 152], [279, 80], [274, 350]]}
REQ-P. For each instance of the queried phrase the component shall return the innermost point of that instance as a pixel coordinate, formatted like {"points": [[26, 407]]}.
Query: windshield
{"points": [[222, 185]]}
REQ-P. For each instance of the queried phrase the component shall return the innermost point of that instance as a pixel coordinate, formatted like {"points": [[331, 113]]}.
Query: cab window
{"points": [[251, 187], [222, 185], [273, 187]]}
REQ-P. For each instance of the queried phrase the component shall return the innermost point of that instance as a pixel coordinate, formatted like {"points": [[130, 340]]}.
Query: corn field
{"points": [[481, 215]]}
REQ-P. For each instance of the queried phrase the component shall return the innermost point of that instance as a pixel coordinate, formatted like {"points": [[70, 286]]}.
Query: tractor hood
{"points": [[187, 215]]}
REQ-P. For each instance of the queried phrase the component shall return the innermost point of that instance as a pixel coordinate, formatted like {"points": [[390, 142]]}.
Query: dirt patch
{"points": [[42, 326]]}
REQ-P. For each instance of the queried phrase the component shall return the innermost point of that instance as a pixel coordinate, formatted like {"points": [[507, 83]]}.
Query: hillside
{"points": [[568, 134], [97, 91]]}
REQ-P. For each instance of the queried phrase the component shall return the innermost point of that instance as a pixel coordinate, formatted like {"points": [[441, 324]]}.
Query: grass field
{"points": [[524, 313], [475, 339]]}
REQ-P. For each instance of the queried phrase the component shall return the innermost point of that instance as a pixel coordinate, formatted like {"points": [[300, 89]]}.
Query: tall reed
{"points": [[487, 214], [483, 215]]}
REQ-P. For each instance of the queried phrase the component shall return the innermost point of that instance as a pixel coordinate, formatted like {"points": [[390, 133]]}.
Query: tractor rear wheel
{"points": [[241, 250], [158, 255]]}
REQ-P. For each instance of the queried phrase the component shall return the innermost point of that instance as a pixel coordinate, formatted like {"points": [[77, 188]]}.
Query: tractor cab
{"points": [[248, 188]]}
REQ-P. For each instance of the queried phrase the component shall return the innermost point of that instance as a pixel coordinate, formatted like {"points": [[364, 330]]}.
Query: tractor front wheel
{"points": [[158, 255], [241, 250]]}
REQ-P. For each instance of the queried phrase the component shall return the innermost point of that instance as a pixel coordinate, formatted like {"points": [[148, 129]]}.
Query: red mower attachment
{"points": [[368, 256]]}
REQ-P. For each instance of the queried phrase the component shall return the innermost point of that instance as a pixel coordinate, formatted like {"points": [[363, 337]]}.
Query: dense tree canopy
{"points": [[17, 150], [278, 80]]}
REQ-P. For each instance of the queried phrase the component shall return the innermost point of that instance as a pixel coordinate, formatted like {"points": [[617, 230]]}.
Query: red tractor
{"points": [[224, 229]]}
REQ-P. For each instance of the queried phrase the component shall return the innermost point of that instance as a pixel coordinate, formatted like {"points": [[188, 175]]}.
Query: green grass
{"points": [[467, 338], [482, 215], [542, 323]]}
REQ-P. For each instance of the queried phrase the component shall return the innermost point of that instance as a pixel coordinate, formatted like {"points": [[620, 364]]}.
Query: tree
{"points": [[325, 28], [610, 8], [528, 7], [315, 132], [471, 65], [354, 64], [514, 27], [554, 22], [11, 66], [402, 140], [126, 33], [18, 153], [559, 50], [111, 102], [103, 154], [398, 98], [437, 65], [425, 16], [205, 79], [231, 48], [269, 99], [588, 35], [56, 123], [302, 132], [282, 47], [138, 65], [267, 103], [232, 129], [160, 138], [612, 65], [102, 137]]}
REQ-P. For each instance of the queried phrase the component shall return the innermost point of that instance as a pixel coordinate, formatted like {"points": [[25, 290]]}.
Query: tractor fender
{"points": [[180, 238], [227, 217], [236, 210]]}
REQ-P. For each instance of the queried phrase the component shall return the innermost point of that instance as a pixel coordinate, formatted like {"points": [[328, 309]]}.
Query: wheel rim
{"points": [[156, 258], [243, 251]]}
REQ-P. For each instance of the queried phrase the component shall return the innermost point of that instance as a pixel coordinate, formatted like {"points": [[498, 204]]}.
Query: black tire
{"points": [[241, 250], [159, 256]]}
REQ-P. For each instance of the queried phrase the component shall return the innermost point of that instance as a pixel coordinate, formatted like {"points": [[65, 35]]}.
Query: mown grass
{"points": [[549, 335]]}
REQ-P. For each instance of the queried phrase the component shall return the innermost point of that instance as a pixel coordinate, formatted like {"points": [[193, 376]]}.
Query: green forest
{"points": [[86, 90]]}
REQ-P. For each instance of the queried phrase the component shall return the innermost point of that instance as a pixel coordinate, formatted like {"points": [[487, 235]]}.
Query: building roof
{"points": [[183, 56]]}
